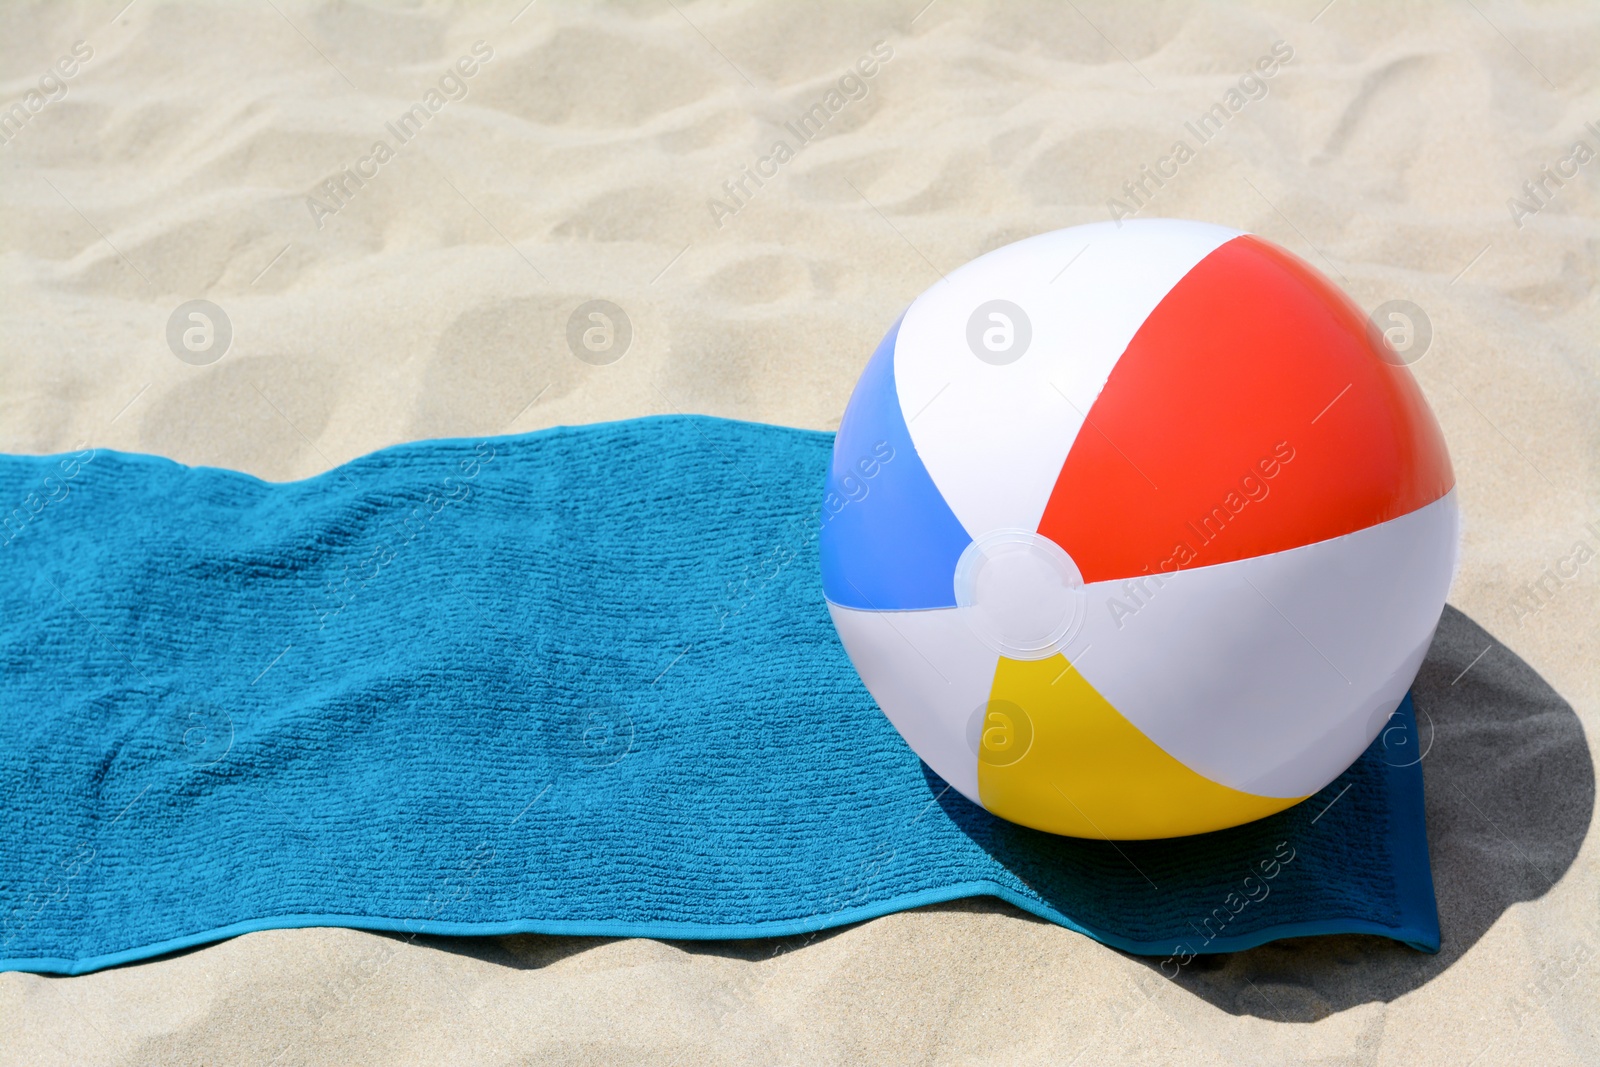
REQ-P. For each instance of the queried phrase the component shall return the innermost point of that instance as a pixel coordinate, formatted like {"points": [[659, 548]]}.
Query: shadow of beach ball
{"points": [[1510, 791]]}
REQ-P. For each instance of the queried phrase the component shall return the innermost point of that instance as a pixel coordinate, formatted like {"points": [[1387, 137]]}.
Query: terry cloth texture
{"points": [[580, 681]]}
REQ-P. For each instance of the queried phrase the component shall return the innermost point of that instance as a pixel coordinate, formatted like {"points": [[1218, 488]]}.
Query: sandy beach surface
{"points": [[548, 155]]}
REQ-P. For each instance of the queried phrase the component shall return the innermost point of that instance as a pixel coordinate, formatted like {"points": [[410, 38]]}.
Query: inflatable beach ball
{"points": [[1137, 531]]}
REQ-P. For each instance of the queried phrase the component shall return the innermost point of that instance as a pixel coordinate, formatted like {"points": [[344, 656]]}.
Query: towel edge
{"points": [[1413, 936]]}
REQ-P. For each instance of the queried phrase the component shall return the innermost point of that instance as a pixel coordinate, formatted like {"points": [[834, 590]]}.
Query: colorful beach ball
{"points": [[1137, 531]]}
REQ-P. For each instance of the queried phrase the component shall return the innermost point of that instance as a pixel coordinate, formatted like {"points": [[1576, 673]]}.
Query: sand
{"points": [[580, 160]]}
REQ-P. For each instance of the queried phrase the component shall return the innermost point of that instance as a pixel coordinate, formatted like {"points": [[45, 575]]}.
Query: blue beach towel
{"points": [[580, 681]]}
